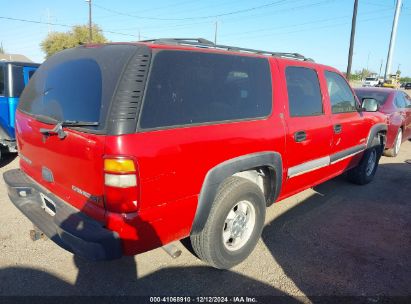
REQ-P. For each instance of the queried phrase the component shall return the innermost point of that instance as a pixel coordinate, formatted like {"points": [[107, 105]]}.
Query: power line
{"points": [[60, 24], [187, 10], [230, 20], [282, 33], [295, 25], [191, 18]]}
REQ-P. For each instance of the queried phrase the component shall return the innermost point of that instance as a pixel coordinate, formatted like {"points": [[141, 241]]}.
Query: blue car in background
{"points": [[14, 76]]}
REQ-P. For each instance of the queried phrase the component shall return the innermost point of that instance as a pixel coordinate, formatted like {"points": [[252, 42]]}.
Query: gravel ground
{"points": [[335, 239]]}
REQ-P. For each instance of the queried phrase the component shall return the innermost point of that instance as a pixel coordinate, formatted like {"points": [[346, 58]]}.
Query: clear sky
{"points": [[319, 29]]}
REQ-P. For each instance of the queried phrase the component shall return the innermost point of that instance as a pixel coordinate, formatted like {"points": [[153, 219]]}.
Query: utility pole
{"points": [[90, 24], [379, 74], [353, 23], [392, 39], [139, 38], [215, 32]]}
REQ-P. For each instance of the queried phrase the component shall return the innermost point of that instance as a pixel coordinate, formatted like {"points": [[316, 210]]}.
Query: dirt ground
{"points": [[336, 239]]}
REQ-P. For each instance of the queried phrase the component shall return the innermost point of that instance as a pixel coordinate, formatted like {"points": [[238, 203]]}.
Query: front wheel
{"points": [[234, 224], [365, 171]]}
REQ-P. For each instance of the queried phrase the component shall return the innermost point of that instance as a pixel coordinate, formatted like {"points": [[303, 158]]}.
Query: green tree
{"points": [[2, 51], [78, 35]]}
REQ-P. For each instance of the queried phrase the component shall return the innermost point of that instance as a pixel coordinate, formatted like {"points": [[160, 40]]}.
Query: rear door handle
{"points": [[337, 129], [300, 136]]}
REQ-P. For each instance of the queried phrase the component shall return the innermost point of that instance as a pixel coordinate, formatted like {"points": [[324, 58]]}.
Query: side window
{"points": [[341, 97], [304, 94], [400, 101], [2, 86], [407, 99], [192, 87]]}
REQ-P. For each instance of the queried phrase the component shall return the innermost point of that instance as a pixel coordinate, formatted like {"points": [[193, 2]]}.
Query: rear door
{"points": [[350, 130], [70, 167], [309, 135]]}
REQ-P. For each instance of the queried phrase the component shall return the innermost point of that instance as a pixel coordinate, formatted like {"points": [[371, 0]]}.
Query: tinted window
{"points": [[31, 73], [72, 90], [379, 96], [193, 87], [304, 94], [2, 85], [18, 80], [341, 97], [76, 84]]}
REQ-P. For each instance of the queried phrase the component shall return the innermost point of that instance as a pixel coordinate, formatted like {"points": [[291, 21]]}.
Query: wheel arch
{"points": [[377, 135], [270, 161]]}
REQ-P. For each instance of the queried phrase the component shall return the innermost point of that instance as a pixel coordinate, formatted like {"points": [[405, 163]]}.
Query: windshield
{"points": [[380, 96], [371, 79], [76, 85]]}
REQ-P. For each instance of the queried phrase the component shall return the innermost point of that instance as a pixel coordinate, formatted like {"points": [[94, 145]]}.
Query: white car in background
{"points": [[370, 82]]}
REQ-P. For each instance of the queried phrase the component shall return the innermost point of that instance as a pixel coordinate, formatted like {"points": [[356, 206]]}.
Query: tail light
{"points": [[121, 184]]}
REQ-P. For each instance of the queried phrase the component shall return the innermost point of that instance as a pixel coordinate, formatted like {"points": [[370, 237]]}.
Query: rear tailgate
{"points": [[71, 168], [76, 85]]}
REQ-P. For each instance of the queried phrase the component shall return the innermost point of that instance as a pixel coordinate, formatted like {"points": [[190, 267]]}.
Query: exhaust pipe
{"points": [[172, 250]]}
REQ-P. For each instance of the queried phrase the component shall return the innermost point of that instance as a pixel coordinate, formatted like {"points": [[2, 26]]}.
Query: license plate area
{"points": [[48, 205]]}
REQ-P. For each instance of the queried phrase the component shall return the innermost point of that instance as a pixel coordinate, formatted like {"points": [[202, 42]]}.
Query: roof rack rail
{"points": [[204, 43], [193, 41]]}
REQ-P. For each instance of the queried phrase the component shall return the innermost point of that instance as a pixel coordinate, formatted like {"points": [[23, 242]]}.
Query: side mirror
{"points": [[369, 105]]}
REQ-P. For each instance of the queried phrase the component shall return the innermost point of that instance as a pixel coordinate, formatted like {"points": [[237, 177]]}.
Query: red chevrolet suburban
{"points": [[127, 147]]}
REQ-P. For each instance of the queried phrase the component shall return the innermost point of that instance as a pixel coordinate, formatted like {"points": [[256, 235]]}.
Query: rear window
{"points": [[380, 96], [192, 87], [76, 84], [71, 91], [371, 79]]}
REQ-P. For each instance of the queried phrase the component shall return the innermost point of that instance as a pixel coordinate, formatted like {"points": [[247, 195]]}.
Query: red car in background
{"points": [[396, 105]]}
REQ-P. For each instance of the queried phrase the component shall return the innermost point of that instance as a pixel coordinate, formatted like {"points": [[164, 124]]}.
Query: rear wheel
{"points": [[365, 171], [393, 152], [234, 225]]}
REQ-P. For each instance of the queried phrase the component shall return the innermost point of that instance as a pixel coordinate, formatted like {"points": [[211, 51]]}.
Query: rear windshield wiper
{"points": [[58, 128]]}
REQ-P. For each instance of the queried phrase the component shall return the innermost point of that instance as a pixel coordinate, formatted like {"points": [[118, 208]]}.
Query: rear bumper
{"points": [[69, 228]]}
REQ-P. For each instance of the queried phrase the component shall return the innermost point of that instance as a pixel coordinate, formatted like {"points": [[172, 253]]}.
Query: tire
{"points": [[365, 171], [393, 152], [223, 242]]}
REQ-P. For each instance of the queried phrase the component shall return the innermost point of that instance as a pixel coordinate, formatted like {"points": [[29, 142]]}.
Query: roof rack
{"points": [[204, 43]]}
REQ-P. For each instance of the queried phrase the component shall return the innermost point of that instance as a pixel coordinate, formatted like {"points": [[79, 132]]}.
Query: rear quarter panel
{"points": [[173, 163]]}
